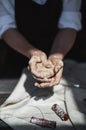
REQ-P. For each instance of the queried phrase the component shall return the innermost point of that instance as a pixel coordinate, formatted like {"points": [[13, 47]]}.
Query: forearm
{"points": [[16, 41], [63, 42]]}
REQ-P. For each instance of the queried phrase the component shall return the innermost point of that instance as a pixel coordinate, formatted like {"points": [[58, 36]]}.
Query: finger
{"points": [[59, 66], [47, 63], [42, 79], [33, 65], [58, 77], [33, 61], [42, 85], [43, 58]]}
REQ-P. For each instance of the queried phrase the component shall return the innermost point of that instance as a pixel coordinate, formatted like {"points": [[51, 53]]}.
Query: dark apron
{"points": [[38, 23]]}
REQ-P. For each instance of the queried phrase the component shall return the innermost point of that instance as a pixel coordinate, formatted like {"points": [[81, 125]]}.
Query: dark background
{"points": [[12, 63]]}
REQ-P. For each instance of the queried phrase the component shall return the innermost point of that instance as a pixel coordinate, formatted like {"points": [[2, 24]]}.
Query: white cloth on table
{"points": [[26, 101]]}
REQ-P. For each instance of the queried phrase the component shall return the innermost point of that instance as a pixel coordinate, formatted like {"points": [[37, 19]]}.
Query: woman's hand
{"points": [[57, 69]]}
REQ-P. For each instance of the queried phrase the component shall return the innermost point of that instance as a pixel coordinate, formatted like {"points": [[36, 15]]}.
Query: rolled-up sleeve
{"points": [[71, 15], [7, 16]]}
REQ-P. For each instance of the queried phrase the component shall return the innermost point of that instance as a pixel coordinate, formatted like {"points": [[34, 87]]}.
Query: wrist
{"points": [[56, 56], [35, 52]]}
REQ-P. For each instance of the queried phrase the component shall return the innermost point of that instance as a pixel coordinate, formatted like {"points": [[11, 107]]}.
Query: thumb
{"points": [[46, 63]]}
